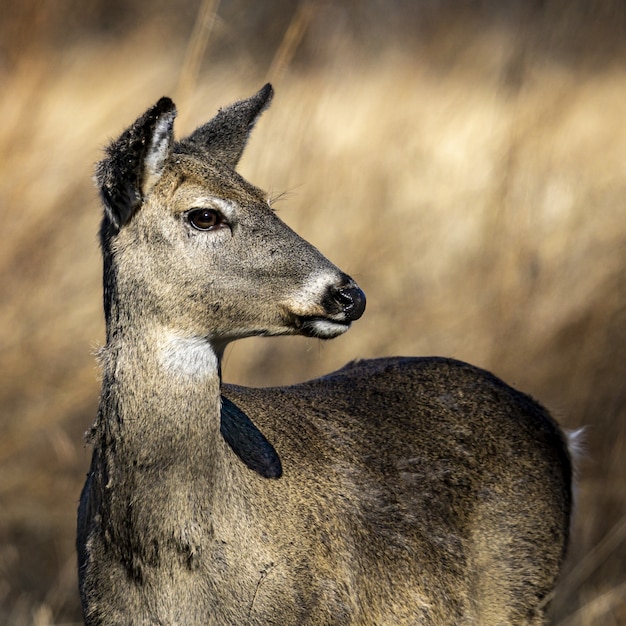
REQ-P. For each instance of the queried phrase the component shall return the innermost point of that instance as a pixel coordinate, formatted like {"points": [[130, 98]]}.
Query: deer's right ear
{"points": [[225, 136], [135, 162]]}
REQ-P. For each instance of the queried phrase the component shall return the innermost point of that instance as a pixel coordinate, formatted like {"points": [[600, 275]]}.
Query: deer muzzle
{"points": [[351, 300]]}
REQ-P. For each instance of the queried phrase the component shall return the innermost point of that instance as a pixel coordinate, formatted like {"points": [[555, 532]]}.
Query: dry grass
{"points": [[478, 200]]}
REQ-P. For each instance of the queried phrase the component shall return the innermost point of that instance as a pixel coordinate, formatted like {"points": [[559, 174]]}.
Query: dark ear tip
{"points": [[163, 106], [265, 95], [273, 470]]}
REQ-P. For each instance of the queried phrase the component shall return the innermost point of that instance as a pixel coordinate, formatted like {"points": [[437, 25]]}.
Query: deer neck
{"points": [[161, 392], [158, 438]]}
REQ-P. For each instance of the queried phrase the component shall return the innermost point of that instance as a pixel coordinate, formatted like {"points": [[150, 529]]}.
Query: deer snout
{"points": [[326, 306], [351, 299]]}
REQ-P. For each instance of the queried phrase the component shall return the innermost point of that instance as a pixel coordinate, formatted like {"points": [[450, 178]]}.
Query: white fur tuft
{"points": [[157, 152], [576, 446], [327, 329]]}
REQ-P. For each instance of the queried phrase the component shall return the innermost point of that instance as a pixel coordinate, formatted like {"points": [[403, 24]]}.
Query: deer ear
{"points": [[248, 442], [135, 162], [225, 136]]}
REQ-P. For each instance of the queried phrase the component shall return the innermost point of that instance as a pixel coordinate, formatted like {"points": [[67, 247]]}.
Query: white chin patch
{"points": [[326, 329]]}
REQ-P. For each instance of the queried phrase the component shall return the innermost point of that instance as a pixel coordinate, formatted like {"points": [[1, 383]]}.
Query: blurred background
{"points": [[464, 160]]}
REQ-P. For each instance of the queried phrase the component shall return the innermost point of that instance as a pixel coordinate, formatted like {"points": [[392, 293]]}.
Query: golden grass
{"points": [[484, 220]]}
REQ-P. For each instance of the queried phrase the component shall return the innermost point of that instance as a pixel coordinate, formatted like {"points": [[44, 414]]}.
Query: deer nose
{"points": [[351, 300]]}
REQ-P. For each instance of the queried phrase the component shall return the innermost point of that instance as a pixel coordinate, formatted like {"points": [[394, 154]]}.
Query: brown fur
{"points": [[394, 491]]}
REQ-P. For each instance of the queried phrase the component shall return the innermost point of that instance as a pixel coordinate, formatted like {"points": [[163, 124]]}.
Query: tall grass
{"points": [[474, 186]]}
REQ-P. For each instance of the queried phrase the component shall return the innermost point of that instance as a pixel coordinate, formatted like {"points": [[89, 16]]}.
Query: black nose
{"points": [[351, 300]]}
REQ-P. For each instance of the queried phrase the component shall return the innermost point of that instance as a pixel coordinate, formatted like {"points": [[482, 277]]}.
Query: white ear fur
{"points": [[576, 447], [158, 152]]}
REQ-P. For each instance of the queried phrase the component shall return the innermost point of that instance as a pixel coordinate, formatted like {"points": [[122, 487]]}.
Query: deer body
{"points": [[394, 491]]}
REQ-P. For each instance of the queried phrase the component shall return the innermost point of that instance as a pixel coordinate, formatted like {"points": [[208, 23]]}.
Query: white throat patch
{"points": [[189, 357]]}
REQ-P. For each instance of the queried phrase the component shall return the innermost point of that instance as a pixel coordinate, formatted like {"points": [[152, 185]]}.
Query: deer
{"points": [[394, 491]]}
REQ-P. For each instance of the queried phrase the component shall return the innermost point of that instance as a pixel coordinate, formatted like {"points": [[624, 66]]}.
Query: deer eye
{"points": [[205, 219]]}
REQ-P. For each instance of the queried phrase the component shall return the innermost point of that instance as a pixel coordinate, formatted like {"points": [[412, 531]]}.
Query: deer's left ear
{"points": [[225, 136], [135, 162]]}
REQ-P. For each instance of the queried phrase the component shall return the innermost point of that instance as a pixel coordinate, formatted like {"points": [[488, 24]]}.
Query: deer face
{"points": [[198, 249]]}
